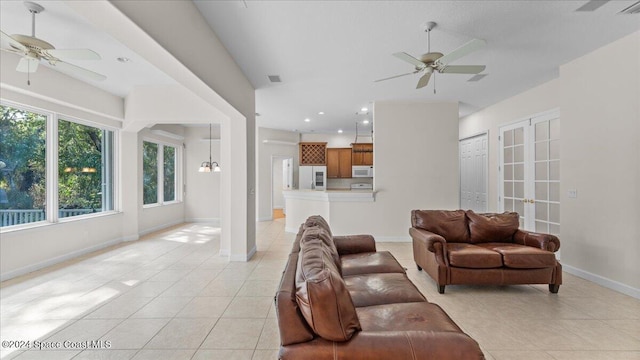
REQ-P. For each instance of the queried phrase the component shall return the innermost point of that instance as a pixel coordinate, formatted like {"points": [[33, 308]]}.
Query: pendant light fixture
{"points": [[208, 166]]}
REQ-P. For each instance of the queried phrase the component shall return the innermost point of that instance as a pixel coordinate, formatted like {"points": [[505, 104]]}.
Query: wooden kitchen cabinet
{"points": [[313, 153], [362, 154], [338, 163]]}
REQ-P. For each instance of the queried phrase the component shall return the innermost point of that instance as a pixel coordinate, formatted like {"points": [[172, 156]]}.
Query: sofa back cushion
{"points": [[486, 228], [321, 293], [327, 240], [451, 225], [317, 220]]}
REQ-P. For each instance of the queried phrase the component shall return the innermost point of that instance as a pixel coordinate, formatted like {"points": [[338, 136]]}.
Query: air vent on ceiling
{"points": [[592, 5], [274, 78], [477, 77], [633, 9]]}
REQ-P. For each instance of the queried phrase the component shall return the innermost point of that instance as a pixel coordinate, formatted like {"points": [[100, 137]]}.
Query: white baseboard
{"points": [[224, 252], [212, 221], [56, 260], [402, 239], [268, 218], [600, 280], [160, 227], [291, 230], [244, 258], [130, 238]]}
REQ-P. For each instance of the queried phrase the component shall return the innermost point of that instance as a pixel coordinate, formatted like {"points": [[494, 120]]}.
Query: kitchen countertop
{"points": [[356, 195]]}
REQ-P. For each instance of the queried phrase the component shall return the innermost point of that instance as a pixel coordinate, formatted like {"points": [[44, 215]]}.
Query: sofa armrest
{"points": [[400, 345], [354, 244], [542, 241], [431, 240]]}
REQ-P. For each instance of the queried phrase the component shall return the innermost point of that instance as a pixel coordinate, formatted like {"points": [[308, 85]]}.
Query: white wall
{"points": [[278, 197], [153, 218], [215, 77], [202, 200], [266, 152], [416, 167], [600, 125], [536, 100], [600, 157], [22, 251]]}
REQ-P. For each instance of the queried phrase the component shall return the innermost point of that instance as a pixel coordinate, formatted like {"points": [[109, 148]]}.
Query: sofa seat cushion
{"points": [[370, 263], [379, 289], [473, 256], [415, 316], [522, 257]]}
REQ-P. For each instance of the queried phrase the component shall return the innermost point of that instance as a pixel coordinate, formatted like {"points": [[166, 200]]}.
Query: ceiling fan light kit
{"points": [[33, 49], [435, 62]]}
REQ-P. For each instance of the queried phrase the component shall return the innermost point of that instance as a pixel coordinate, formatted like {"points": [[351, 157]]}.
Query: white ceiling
{"points": [[329, 52], [63, 28]]}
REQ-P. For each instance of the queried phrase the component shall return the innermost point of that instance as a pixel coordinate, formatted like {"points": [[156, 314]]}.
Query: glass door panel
{"points": [[530, 172]]}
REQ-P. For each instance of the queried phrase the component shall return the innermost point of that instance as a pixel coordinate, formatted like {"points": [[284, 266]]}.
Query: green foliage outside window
{"points": [[169, 173], [22, 159], [150, 172], [79, 166]]}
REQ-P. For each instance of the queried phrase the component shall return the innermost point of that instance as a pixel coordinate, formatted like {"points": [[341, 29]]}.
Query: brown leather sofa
{"points": [[339, 298], [462, 247]]}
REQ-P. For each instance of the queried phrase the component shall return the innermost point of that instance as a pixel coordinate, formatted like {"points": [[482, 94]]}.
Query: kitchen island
{"points": [[300, 204]]}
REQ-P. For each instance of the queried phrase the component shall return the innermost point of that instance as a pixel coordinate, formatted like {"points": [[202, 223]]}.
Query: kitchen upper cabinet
{"points": [[313, 153], [362, 154], [338, 163]]}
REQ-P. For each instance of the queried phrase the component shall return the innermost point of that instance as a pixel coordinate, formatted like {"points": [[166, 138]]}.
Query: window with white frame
{"points": [[159, 173], [52, 168]]}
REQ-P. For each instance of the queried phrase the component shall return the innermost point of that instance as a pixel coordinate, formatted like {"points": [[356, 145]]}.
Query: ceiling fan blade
{"points": [[592, 5], [463, 50], [462, 69], [397, 76], [74, 54], [424, 80], [13, 43], [410, 59], [28, 65], [76, 70]]}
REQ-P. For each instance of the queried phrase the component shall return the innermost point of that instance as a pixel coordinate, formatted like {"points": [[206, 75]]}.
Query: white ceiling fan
{"points": [[437, 62], [33, 49]]}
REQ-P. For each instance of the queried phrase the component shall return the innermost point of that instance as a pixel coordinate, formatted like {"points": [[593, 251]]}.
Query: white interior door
{"points": [[529, 172], [473, 173]]}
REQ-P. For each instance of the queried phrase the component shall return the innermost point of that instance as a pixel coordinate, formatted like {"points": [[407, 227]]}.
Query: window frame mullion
{"points": [[51, 156]]}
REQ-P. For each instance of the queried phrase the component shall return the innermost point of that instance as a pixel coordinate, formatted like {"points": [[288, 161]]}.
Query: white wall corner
{"points": [[215, 222], [160, 227]]}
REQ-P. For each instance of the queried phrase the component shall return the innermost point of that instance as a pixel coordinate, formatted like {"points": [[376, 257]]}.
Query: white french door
{"points": [[473, 173], [529, 172]]}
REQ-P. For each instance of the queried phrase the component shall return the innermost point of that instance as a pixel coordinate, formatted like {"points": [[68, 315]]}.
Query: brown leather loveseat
{"points": [[339, 298], [462, 247]]}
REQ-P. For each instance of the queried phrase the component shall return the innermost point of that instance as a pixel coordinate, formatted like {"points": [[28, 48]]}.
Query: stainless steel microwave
{"points": [[362, 171]]}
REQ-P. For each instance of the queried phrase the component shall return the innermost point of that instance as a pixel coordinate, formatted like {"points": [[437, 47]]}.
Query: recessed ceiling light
{"points": [[307, 120], [365, 121], [123, 59], [340, 131], [320, 112], [364, 109]]}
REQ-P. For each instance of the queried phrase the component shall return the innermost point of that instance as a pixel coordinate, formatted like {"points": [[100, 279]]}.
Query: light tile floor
{"points": [[170, 296]]}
